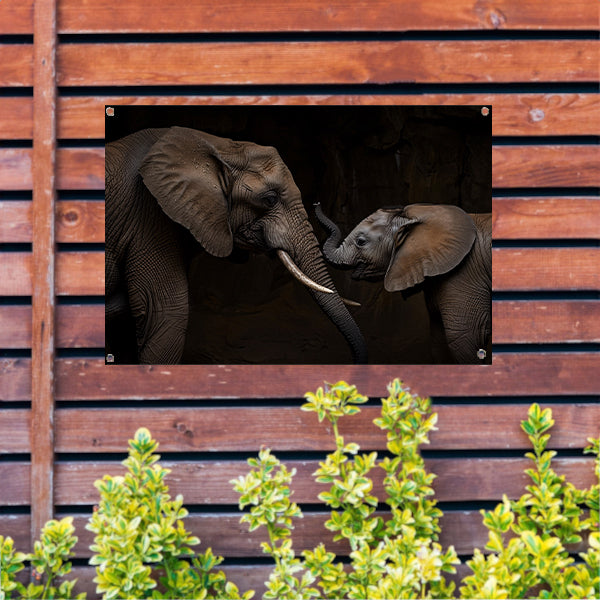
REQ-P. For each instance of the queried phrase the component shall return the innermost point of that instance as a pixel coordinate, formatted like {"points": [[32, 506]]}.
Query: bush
{"points": [[142, 549], [400, 557]]}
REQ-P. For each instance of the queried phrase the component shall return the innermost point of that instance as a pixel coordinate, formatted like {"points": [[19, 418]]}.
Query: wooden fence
{"points": [[65, 417]]}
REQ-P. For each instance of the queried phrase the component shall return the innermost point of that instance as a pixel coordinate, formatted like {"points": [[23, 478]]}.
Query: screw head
{"points": [[110, 358], [485, 111], [481, 354], [110, 111]]}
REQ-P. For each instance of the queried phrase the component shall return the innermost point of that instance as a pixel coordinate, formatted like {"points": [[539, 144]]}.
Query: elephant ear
{"points": [[187, 176], [431, 240]]}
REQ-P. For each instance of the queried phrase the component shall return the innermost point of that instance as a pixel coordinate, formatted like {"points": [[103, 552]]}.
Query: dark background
{"points": [[247, 308]]}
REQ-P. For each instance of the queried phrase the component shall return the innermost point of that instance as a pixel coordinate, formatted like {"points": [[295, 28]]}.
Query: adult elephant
{"points": [[226, 193], [438, 247]]}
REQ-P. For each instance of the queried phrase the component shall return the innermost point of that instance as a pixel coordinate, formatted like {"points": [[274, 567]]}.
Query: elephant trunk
{"points": [[308, 257], [331, 248]]}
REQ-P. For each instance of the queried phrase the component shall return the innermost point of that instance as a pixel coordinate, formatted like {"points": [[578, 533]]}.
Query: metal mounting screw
{"points": [[485, 111], [110, 358], [110, 111], [481, 354]]}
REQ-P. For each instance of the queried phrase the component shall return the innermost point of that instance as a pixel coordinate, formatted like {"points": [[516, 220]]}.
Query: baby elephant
{"points": [[439, 247]]}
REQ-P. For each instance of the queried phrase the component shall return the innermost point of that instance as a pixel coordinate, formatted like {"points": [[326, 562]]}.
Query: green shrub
{"points": [[400, 557], [141, 548]]}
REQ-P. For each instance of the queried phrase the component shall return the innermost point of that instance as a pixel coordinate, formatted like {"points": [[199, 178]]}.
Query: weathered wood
{"points": [[15, 169], [513, 218], [514, 114], [43, 263], [80, 169], [229, 538], [77, 326], [539, 321], [15, 434], [290, 429], [77, 273], [17, 123], [208, 482], [555, 166], [16, 66], [300, 15], [545, 218], [548, 269], [76, 221], [224, 63]]}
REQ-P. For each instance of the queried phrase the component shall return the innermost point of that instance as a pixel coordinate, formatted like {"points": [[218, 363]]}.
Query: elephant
{"points": [[438, 248], [227, 194]]}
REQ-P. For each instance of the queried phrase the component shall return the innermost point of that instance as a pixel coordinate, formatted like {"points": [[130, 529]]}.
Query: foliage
{"points": [[399, 556], [49, 559], [529, 537], [141, 548]]}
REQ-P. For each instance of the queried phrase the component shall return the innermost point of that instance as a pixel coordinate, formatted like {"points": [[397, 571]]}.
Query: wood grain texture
{"points": [[15, 169], [556, 373], [301, 15], [16, 66], [77, 274], [290, 429], [223, 532], [555, 166], [268, 63], [77, 326], [545, 269], [76, 221], [17, 121], [208, 482], [514, 114], [546, 321], [15, 428], [545, 218]]}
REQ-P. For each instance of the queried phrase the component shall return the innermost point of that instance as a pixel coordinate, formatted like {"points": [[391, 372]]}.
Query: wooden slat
{"points": [[16, 66], [527, 374], [514, 114], [290, 429], [546, 218], [554, 166], [514, 322], [208, 482], [514, 269], [540, 321], [513, 166], [335, 15], [77, 274], [15, 433], [513, 218], [221, 63], [300, 15], [76, 221], [229, 538], [17, 121], [545, 269], [77, 326]]}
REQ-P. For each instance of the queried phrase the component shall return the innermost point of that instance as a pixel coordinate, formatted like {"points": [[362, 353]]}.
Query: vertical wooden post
{"points": [[43, 300]]}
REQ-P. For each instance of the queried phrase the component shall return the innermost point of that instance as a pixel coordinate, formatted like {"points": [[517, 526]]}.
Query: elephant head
{"points": [[439, 246], [226, 193]]}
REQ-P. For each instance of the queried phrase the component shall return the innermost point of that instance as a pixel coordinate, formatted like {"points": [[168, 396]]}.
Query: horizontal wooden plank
{"points": [[16, 66], [290, 429], [545, 218], [229, 538], [513, 166], [514, 114], [514, 269], [208, 482], [554, 166], [518, 374], [76, 221], [545, 269], [272, 63], [15, 432], [514, 322], [16, 16], [77, 326], [77, 274], [541, 321]]}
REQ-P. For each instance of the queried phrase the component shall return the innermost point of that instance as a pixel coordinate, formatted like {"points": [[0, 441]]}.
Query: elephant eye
{"points": [[270, 198], [361, 241]]}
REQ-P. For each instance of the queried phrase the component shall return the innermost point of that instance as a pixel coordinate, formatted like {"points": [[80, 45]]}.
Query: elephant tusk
{"points": [[350, 302], [299, 275]]}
